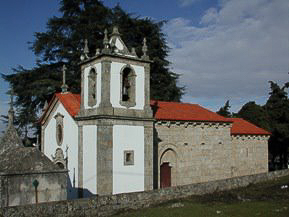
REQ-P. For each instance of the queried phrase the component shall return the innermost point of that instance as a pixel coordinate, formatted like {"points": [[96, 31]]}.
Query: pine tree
{"points": [[225, 110], [277, 107], [63, 43]]}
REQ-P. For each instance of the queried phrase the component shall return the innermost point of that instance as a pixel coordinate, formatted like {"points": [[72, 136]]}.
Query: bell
{"points": [[125, 92]]}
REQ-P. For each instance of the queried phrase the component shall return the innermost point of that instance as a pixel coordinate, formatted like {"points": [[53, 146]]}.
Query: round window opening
{"points": [[59, 134]]}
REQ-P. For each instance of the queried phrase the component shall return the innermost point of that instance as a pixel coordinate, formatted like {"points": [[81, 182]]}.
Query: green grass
{"points": [[262, 209], [265, 200]]}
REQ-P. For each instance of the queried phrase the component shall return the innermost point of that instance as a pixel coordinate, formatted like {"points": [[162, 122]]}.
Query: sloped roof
{"points": [[242, 127], [184, 111], [70, 101], [26, 160], [174, 111], [10, 139]]}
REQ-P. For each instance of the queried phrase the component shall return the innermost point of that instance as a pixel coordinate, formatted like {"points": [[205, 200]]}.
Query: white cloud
{"points": [[185, 3], [210, 16], [234, 51]]}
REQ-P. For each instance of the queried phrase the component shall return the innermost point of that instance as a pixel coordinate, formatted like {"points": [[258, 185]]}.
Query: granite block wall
{"points": [[107, 205], [250, 154], [201, 152], [198, 152]]}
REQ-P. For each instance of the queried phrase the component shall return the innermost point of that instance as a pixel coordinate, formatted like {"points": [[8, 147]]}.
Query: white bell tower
{"points": [[115, 119]]}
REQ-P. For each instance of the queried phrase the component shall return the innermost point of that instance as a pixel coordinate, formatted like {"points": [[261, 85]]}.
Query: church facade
{"points": [[113, 139]]}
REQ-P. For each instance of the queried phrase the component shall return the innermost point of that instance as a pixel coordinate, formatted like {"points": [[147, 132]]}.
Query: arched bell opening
{"points": [[128, 89], [92, 88]]}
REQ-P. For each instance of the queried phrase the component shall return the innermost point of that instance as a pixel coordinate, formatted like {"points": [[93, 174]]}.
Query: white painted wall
{"points": [[115, 85], [70, 140], [129, 178], [89, 159], [97, 68]]}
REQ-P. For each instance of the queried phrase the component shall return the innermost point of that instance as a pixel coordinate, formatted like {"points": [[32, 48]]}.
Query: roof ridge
{"points": [[184, 103]]}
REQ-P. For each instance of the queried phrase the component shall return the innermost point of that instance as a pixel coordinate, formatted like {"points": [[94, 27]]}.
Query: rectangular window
{"points": [[128, 158]]}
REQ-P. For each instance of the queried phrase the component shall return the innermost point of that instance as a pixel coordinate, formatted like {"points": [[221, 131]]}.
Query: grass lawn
{"points": [[268, 199]]}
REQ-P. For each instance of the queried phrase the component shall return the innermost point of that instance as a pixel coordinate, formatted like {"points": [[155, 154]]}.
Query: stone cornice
{"points": [[191, 124], [250, 137], [113, 117], [114, 56]]}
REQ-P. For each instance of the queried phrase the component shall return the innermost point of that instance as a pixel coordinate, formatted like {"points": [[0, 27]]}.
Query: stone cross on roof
{"points": [[11, 110], [64, 86]]}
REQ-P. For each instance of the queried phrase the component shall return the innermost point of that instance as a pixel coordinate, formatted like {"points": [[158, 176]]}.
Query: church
{"points": [[114, 139]]}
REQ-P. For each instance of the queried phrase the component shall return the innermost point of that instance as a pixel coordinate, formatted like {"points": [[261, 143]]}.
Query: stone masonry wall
{"points": [[19, 189], [197, 152], [112, 204], [250, 154]]}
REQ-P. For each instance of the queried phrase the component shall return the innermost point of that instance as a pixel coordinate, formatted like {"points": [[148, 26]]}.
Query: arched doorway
{"points": [[168, 168], [165, 175]]}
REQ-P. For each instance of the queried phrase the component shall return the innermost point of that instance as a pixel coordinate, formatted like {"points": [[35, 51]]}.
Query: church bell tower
{"points": [[115, 121]]}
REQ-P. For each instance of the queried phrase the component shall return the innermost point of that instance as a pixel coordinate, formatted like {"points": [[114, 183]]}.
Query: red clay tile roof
{"points": [[174, 111], [70, 101], [184, 112], [242, 127]]}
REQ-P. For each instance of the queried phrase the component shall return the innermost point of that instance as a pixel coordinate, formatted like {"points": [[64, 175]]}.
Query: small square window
{"points": [[128, 158]]}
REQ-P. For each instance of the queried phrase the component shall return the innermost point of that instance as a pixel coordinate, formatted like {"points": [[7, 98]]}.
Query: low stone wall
{"points": [[112, 204]]}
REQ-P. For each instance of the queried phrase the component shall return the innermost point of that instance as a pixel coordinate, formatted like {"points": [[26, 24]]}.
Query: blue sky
{"points": [[224, 49]]}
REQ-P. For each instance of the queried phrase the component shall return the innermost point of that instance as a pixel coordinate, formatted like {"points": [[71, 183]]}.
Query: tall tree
{"points": [[274, 117], [225, 110], [63, 43], [277, 107], [255, 114]]}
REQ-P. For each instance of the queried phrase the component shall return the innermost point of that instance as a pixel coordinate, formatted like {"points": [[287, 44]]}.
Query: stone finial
{"points": [[115, 31], [97, 51], [86, 49], [64, 86], [11, 110], [106, 48], [133, 53], [105, 39], [85, 53], [144, 50]]}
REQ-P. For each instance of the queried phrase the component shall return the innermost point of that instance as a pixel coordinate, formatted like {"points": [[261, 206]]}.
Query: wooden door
{"points": [[165, 175]]}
